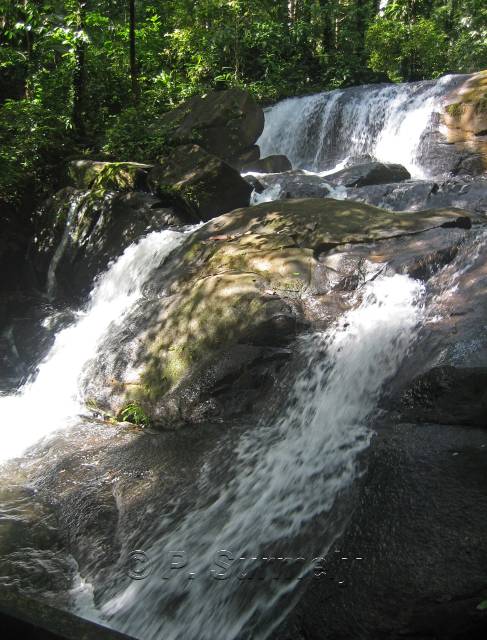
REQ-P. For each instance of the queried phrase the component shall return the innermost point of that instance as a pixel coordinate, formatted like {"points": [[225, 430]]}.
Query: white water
{"points": [[286, 473], [51, 401], [268, 195], [387, 122]]}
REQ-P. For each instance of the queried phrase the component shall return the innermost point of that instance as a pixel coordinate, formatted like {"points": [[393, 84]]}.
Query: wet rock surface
{"points": [[465, 118], [467, 194], [292, 184], [421, 507], [217, 315], [270, 164], [371, 173], [419, 519], [412, 563], [81, 231]]}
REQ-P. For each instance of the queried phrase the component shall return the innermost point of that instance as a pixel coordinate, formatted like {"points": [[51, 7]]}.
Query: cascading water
{"points": [[387, 122], [287, 472], [51, 401]]}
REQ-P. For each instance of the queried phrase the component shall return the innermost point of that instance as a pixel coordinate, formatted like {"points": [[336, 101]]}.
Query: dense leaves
{"points": [[89, 75]]}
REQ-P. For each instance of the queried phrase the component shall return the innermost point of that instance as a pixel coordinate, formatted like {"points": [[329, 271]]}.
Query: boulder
{"points": [[225, 123], [218, 316], [369, 173], [443, 158], [467, 194], [199, 182], [271, 164], [295, 184], [465, 119], [79, 232], [248, 155], [122, 176]]}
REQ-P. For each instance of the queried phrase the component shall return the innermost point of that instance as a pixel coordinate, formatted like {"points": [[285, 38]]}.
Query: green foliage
{"points": [[407, 51], [412, 41], [133, 135], [134, 413], [33, 140], [482, 606], [65, 70]]}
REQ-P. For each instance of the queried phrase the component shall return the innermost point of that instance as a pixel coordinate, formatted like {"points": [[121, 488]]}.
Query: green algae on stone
{"points": [[104, 176]]}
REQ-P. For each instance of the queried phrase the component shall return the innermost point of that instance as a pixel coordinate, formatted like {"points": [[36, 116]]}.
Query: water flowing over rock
{"points": [[43, 406], [391, 123], [81, 231], [290, 396], [291, 184], [370, 286], [239, 292]]}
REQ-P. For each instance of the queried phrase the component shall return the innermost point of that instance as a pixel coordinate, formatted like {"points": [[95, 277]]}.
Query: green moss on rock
{"points": [[103, 176]]}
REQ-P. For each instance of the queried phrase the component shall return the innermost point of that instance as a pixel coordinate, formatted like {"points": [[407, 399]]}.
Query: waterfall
{"points": [[388, 122], [287, 471], [51, 401]]}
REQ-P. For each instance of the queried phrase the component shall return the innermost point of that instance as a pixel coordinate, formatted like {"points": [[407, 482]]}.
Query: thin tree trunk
{"points": [[79, 76], [133, 58], [29, 47]]}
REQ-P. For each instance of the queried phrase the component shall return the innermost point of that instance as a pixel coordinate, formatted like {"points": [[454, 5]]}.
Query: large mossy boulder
{"points": [[465, 119], [214, 327], [94, 174], [225, 123], [199, 182]]}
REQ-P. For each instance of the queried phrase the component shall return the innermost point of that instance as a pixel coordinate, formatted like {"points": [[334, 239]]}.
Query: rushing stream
{"points": [[264, 490], [387, 122], [51, 400], [287, 472]]}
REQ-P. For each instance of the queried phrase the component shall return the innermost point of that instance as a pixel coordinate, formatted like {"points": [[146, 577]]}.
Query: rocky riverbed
{"points": [[304, 375]]}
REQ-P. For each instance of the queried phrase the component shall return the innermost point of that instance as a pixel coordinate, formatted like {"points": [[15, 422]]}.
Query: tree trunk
{"points": [[79, 76], [133, 59], [29, 48]]}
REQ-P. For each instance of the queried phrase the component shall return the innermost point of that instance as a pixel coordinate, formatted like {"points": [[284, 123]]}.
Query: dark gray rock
{"points": [[296, 184], [415, 551], [271, 164], [442, 158], [467, 194], [370, 173], [248, 155], [225, 123], [199, 182], [447, 395], [101, 226]]}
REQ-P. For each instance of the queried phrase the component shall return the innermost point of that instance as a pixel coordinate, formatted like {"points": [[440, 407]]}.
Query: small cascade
{"points": [[287, 472], [51, 401], [389, 123], [51, 283]]}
